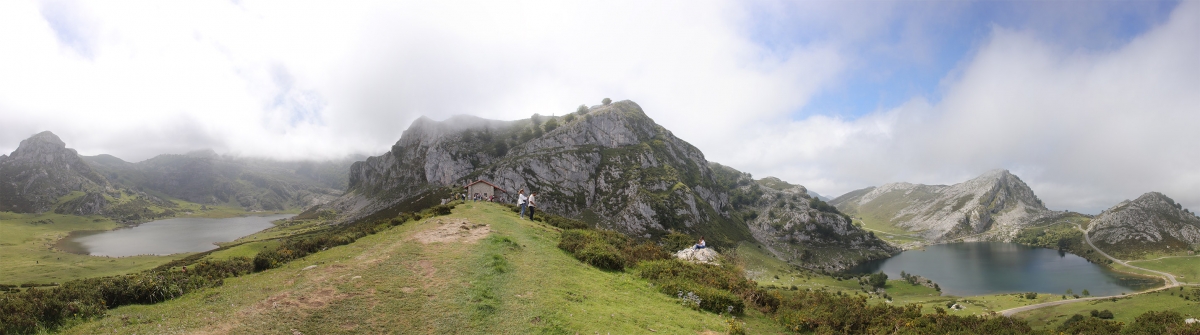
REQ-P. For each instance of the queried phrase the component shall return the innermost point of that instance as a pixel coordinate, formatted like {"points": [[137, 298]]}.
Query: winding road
{"points": [[1171, 282]]}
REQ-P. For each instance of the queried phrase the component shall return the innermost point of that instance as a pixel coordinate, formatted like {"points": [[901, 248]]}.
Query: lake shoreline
{"points": [[70, 242], [967, 269]]}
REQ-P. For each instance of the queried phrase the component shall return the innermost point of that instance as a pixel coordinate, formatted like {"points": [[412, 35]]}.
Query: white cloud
{"points": [[298, 79], [1086, 129], [235, 75]]}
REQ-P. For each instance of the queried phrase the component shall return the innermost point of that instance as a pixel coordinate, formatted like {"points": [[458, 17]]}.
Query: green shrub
{"points": [[877, 279], [562, 222], [601, 255], [1156, 322], [704, 297], [676, 241]]}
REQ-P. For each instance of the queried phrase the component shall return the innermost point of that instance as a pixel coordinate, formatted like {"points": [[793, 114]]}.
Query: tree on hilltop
{"points": [[606, 101]]}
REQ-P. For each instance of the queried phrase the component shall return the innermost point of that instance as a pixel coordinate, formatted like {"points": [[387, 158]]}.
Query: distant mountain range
{"points": [[42, 175], [997, 205], [996, 202], [615, 168], [609, 165]]}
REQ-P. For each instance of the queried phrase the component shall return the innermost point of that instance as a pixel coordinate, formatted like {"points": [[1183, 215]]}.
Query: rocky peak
{"points": [[1152, 221], [42, 146], [994, 202], [611, 166], [41, 170]]}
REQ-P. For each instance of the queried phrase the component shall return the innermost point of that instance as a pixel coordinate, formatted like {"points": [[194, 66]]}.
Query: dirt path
{"points": [[1170, 279]]}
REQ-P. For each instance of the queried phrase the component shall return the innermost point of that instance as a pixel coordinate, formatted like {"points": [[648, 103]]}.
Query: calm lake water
{"points": [[966, 269], [165, 237]]}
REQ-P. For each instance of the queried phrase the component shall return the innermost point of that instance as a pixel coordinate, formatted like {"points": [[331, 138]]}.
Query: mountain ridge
{"points": [[42, 175], [995, 202], [1151, 222], [610, 165]]}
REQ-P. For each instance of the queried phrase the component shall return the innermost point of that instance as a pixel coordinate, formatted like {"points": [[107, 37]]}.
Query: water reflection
{"points": [[165, 237], [965, 269]]}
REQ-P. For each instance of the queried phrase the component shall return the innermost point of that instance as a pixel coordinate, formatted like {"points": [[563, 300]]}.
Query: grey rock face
{"points": [[612, 167], [795, 231], [996, 203], [1152, 219], [41, 170]]}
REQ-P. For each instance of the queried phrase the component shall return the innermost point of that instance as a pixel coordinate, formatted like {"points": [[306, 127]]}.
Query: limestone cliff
{"points": [[611, 166], [1152, 222], [42, 170], [802, 229], [996, 204]]}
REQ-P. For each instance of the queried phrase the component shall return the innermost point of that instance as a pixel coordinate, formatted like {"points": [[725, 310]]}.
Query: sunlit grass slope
{"points": [[1123, 309], [27, 254], [515, 281]]}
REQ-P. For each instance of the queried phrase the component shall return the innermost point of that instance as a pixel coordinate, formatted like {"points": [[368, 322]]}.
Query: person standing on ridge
{"points": [[533, 204], [522, 201]]}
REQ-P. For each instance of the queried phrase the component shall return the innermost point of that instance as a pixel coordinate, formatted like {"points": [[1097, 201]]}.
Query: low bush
{"points": [[675, 241], [562, 222], [607, 250], [718, 288]]}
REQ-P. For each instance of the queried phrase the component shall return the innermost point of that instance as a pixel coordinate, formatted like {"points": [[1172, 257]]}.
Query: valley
{"points": [[379, 251]]}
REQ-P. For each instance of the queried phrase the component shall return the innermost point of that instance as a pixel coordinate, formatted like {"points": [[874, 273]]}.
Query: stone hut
{"points": [[485, 188]]}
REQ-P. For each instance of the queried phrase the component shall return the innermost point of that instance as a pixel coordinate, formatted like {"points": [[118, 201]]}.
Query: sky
{"points": [[1089, 102]]}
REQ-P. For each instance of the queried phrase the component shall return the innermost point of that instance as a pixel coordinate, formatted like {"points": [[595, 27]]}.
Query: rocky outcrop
{"points": [[611, 166], [997, 204], [1152, 222], [701, 256], [40, 171], [804, 231]]}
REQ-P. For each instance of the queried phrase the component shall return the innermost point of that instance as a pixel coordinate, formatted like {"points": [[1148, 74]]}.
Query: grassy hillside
{"points": [[1185, 301], [1186, 269], [26, 249], [507, 277]]}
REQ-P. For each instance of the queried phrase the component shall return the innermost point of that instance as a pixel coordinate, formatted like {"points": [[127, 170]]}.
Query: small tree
{"points": [[537, 119], [877, 279], [606, 101], [583, 109], [1085, 293], [551, 124]]}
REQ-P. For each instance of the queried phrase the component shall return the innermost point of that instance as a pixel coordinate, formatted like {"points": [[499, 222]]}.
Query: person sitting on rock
{"points": [[700, 245]]}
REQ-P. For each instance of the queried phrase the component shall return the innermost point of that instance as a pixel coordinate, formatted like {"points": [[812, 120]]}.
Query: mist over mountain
{"points": [[42, 175], [613, 167]]}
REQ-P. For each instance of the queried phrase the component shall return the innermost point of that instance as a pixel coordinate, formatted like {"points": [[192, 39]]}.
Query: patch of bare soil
{"points": [[454, 230]]}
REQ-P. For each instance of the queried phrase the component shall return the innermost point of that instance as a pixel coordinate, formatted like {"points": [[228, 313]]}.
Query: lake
{"points": [[978, 268], [165, 237]]}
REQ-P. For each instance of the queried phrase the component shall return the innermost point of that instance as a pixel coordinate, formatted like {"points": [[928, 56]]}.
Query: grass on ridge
{"points": [[515, 281]]}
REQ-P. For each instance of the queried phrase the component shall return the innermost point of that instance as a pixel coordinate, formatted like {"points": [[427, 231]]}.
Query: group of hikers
{"points": [[476, 197], [526, 202]]}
